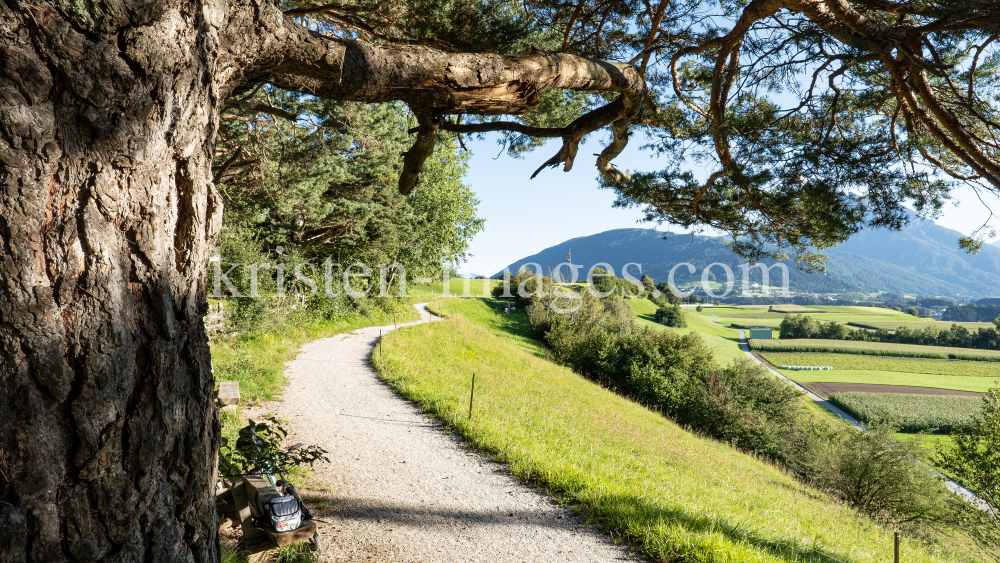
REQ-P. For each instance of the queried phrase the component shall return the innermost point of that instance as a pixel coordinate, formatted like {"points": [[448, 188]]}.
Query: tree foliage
{"points": [[325, 184], [974, 461], [814, 118]]}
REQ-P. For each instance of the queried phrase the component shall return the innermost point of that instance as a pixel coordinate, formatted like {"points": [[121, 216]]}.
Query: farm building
{"points": [[760, 333]]}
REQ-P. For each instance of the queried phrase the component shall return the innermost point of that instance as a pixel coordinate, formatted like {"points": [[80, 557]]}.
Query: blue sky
{"points": [[524, 216]]}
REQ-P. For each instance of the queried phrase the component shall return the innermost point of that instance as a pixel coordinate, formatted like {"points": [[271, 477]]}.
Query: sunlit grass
{"points": [[457, 287], [676, 496], [954, 382], [887, 349], [875, 363]]}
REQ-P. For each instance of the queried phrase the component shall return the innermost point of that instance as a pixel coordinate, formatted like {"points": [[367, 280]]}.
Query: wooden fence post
{"points": [[472, 394]]}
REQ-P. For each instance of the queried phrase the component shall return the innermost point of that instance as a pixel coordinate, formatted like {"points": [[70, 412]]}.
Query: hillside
{"points": [[922, 259], [675, 495]]}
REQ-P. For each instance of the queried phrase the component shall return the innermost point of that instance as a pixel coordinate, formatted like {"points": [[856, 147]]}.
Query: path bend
{"points": [[398, 487]]}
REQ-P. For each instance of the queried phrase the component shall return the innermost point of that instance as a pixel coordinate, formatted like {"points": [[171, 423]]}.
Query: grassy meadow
{"points": [[818, 345], [457, 287], [672, 494], [956, 382], [796, 309], [878, 363], [918, 325]]}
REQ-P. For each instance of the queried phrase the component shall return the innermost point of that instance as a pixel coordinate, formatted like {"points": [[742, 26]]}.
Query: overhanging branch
{"points": [[414, 159], [435, 83]]}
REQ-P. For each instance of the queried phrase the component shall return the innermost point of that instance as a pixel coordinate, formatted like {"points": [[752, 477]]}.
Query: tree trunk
{"points": [[109, 434], [108, 117]]}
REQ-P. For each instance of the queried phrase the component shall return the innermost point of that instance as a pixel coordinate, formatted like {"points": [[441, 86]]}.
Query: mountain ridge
{"points": [[923, 259]]}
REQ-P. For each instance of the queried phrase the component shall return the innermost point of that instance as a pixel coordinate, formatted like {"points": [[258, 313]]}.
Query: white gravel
{"points": [[398, 487]]}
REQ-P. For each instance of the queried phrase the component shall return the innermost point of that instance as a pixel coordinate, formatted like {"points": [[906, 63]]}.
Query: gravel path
{"points": [[398, 488]]}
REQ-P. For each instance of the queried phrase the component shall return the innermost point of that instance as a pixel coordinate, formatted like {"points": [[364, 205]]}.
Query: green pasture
{"points": [[797, 309], [750, 323], [848, 314], [724, 342], [457, 287], [874, 349], [876, 363], [919, 325], [954, 382]]}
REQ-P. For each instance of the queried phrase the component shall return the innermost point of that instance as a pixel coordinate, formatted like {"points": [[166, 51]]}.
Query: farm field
{"points": [[956, 382], [912, 413], [751, 323], [876, 363], [742, 313], [748, 316], [797, 309], [918, 325], [874, 349], [674, 495], [847, 314]]}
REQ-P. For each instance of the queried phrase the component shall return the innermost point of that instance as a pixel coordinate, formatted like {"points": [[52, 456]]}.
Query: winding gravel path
{"points": [[398, 488]]}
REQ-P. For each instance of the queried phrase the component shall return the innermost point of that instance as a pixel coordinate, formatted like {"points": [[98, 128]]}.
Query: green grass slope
{"points": [[676, 496]]}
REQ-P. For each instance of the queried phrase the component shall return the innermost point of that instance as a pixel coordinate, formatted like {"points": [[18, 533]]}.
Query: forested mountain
{"points": [[921, 259]]}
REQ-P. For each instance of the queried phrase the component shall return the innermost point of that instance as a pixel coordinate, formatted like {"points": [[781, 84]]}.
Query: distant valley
{"points": [[922, 259]]}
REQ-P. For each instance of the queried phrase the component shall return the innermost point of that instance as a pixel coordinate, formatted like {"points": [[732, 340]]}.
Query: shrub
{"points": [[670, 315], [523, 282], [883, 478]]}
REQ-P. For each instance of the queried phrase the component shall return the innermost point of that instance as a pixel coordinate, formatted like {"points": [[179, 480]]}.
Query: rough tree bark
{"points": [[108, 114]]}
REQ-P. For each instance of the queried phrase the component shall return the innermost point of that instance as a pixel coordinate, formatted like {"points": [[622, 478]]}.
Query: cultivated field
{"points": [[741, 313], [745, 323], [875, 363], [956, 382], [796, 309], [918, 325], [849, 314], [910, 413], [875, 349]]}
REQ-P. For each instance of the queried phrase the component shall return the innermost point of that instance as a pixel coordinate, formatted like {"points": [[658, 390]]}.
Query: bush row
{"points": [[957, 336], [740, 404]]}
